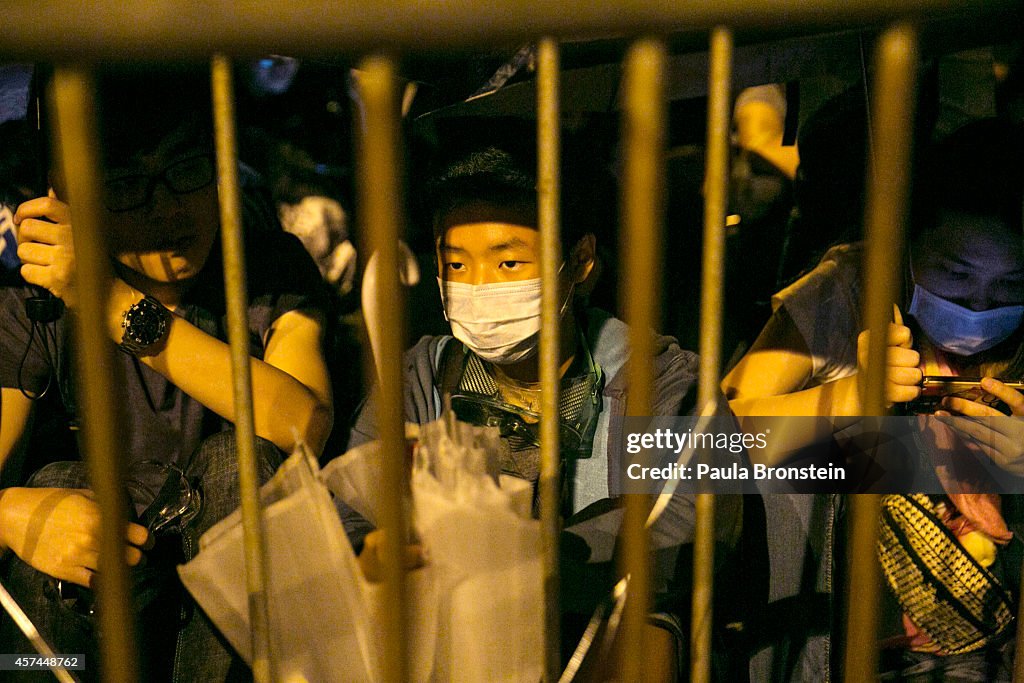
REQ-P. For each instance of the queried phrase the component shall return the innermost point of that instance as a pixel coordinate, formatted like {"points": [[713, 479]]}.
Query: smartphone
{"points": [[934, 388]]}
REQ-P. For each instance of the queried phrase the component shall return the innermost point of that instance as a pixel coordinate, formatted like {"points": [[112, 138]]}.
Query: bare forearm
{"points": [[825, 402], [200, 365], [838, 398]]}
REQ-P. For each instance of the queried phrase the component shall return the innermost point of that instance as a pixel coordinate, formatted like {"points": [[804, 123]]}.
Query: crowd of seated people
{"points": [[473, 207]]}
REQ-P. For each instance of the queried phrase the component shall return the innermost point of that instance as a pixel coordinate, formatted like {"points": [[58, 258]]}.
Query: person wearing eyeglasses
{"points": [[166, 314]]}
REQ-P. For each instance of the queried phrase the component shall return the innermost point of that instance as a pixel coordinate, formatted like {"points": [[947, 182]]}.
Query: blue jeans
{"points": [[175, 640], [994, 664], [795, 643]]}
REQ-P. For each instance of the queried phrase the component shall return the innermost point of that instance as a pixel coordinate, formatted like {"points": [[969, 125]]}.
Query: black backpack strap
{"points": [[450, 366]]}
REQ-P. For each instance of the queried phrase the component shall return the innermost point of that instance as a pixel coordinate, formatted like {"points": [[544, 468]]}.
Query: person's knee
{"points": [[214, 470], [61, 475], [218, 455]]}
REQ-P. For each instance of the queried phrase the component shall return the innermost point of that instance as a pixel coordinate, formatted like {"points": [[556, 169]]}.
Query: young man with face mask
{"points": [[484, 214], [166, 315]]}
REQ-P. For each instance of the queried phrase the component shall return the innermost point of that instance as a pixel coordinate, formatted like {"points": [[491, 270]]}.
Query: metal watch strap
{"points": [[145, 325]]}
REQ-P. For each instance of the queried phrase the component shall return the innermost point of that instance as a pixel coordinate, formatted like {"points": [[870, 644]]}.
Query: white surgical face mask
{"points": [[500, 322], [960, 330]]}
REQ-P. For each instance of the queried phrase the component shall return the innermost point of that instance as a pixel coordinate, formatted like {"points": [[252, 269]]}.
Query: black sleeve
{"points": [[283, 277]]}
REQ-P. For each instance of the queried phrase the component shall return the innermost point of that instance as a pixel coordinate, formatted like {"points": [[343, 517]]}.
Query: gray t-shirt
{"points": [[825, 307], [162, 422]]}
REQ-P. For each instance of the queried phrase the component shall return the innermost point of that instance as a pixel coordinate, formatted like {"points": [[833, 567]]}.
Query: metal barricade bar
{"points": [[232, 242], [716, 198], [379, 201], [548, 205], [640, 244], [174, 29], [100, 383], [888, 188]]}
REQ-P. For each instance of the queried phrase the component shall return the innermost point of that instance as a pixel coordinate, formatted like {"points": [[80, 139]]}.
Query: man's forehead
{"points": [[483, 211], [488, 235]]}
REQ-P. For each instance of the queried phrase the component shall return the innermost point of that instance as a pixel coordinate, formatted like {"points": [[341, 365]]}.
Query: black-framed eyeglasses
{"points": [[182, 177]]}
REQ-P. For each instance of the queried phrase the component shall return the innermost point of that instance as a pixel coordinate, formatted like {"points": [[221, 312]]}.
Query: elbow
{"points": [[309, 422], [319, 425]]}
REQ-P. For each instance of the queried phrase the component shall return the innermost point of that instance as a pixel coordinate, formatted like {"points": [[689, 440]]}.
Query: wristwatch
{"points": [[145, 326]]}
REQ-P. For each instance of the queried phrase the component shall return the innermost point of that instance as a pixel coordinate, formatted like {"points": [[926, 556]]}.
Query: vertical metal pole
{"points": [[716, 198], [1018, 662], [100, 382], [233, 245], [888, 185], [548, 188], [642, 202], [380, 200]]}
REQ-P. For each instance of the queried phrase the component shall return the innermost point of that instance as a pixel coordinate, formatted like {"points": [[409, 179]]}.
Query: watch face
{"points": [[145, 323]]}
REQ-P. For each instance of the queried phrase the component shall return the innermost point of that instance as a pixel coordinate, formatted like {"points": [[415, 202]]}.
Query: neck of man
{"points": [[528, 371], [167, 293]]}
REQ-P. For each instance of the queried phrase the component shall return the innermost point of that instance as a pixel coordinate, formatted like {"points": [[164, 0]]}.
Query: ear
{"points": [[581, 258]]}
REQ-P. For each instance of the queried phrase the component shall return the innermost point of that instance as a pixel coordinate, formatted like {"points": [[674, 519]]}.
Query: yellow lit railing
{"points": [[172, 30]]}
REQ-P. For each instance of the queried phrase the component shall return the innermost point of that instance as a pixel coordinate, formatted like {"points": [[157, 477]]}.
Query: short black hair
{"points": [[979, 170], [486, 175], [138, 105], [141, 105], [498, 165]]}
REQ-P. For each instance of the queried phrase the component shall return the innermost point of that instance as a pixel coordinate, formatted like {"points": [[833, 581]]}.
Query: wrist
{"points": [[846, 397], [122, 297], [5, 523], [145, 326]]}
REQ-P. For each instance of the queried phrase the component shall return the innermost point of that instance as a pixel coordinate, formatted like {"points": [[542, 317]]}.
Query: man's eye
{"points": [[455, 266], [510, 265]]}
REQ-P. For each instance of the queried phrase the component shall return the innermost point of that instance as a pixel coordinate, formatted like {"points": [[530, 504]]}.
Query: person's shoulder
{"points": [[428, 346], [426, 357], [838, 269], [845, 255], [609, 340], [276, 244], [278, 263]]}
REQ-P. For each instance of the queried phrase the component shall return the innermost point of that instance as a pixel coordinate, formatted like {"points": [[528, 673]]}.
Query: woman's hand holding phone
{"points": [[999, 436]]}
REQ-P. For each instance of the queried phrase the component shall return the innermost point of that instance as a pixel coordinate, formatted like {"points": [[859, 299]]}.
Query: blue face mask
{"points": [[960, 330]]}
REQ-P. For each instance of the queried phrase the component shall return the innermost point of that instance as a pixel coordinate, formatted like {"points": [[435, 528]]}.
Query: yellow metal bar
{"points": [[888, 189], [100, 382], [640, 245], [716, 199], [233, 245], [888, 184], [1018, 662], [178, 28], [380, 199], [548, 188]]}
